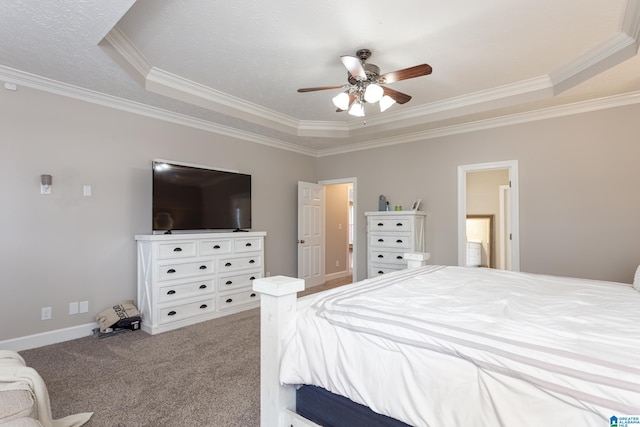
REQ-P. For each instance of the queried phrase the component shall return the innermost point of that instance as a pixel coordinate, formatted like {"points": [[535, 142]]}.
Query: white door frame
{"points": [[353, 181], [504, 261], [512, 166]]}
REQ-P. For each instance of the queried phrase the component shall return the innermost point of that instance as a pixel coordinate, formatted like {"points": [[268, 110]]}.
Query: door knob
{"points": [[300, 241]]}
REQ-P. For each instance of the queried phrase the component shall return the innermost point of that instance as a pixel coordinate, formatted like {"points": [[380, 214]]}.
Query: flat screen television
{"points": [[189, 197]]}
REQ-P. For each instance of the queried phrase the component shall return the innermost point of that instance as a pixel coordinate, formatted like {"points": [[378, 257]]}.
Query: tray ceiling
{"points": [[235, 67]]}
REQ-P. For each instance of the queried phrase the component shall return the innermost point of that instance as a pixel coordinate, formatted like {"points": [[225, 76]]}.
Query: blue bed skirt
{"points": [[331, 410]]}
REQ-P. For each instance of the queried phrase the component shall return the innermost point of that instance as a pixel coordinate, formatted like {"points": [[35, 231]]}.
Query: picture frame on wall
{"points": [[416, 205]]}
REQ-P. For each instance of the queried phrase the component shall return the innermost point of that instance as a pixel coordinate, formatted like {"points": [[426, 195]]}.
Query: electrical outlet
{"points": [[73, 308], [84, 306], [45, 313], [337, 263]]}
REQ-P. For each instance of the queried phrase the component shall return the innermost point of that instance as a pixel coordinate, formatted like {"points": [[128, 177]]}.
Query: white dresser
{"points": [[188, 278], [389, 235]]}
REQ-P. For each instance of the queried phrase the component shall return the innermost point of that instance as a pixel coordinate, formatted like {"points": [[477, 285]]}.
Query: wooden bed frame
{"points": [[278, 307]]}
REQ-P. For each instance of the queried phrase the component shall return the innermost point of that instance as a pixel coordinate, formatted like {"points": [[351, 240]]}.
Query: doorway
{"points": [[506, 241], [326, 223], [480, 241]]}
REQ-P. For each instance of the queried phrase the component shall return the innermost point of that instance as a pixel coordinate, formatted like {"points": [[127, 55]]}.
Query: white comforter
{"points": [[452, 346]]}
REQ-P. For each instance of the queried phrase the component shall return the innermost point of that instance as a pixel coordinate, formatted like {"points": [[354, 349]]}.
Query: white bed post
{"points": [[277, 321], [416, 259]]}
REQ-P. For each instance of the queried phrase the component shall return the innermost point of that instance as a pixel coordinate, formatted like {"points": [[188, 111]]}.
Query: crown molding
{"points": [[510, 120], [502, 96], [164, 83], [323, 129], [123, 46], [608, 54], [70, 91], [63, 89], [631, 20], [176, 87]]}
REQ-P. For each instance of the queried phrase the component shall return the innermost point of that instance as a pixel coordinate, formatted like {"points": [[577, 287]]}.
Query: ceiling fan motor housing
{"points": [[372, 71]]}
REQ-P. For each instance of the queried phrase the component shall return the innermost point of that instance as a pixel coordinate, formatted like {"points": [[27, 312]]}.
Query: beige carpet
{"points": [[201, 375]]}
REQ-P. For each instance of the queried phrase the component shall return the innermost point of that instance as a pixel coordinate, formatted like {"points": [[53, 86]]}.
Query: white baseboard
{"points": [[48, 338], [338, 275]]}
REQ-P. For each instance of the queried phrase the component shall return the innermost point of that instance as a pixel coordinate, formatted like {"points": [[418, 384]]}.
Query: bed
{"points": [[454, 346]]}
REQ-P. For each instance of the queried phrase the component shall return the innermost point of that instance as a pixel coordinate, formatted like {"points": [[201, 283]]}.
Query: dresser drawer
{"points": [[176, 250], [387, 257], [235, 281], [176, 270], [249, 244], [216, 246], [389, 240], [183, 311], [178, 291], [389, 224], [238, 298], [238, 263], [378, 270]]}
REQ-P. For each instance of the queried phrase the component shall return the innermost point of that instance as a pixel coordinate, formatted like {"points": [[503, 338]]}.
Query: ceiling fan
{"points": [[365, 84]]}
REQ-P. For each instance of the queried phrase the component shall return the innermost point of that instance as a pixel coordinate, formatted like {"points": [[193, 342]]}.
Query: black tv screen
{"points": [[196, 198]]}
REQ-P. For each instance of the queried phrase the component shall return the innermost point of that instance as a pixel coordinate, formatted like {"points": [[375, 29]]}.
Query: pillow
{"points": [[636, 279]]}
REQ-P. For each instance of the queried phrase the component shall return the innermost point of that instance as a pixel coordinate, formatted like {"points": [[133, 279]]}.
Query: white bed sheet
{"points": [[452, 346]]}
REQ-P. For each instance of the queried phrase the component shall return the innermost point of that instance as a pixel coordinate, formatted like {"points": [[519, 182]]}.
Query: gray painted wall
{"points": [[578, 174], [64, 247], [578, 196]]}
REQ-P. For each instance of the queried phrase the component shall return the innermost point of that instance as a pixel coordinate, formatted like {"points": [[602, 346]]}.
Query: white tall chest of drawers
{"points": [[188, 278], [389, 235]]}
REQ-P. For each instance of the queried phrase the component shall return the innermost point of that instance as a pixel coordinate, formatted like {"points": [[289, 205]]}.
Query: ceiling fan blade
{"points": [[399, 97], [312, 89], [407, 73], [354, 66]]}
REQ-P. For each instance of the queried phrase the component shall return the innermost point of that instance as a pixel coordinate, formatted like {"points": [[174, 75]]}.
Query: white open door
{"points": [[311, 233]]}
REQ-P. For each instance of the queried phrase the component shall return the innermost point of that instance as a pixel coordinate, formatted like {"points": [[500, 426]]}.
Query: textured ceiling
{"points": [[237, 65]]}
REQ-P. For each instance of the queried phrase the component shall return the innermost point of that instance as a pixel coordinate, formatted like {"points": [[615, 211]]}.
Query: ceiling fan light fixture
{"points": [[341, 100], [357, 109], [386, 102], [373, 93]]}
